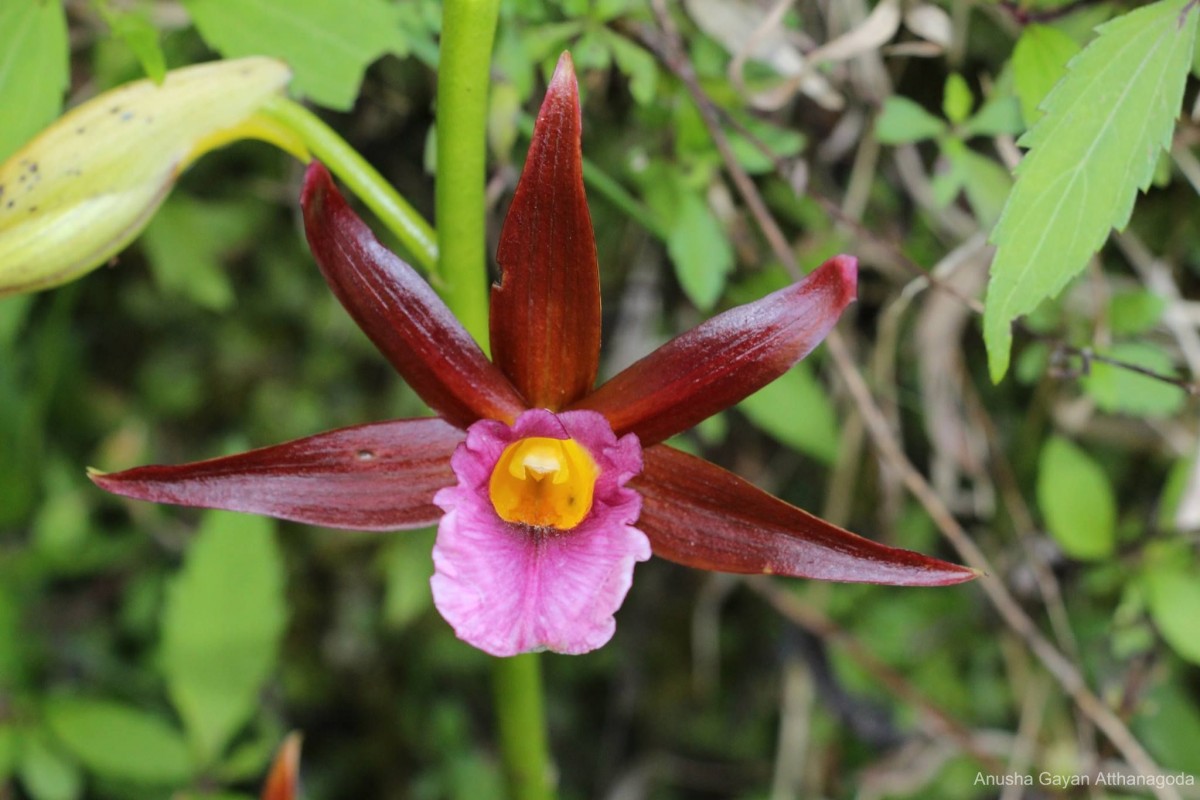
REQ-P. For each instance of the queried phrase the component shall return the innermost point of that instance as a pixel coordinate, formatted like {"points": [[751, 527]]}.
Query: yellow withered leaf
{"points": [[82, 189]]}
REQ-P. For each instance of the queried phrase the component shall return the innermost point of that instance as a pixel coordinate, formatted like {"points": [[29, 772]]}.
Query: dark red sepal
{"points": [[400, 313], [545, 313], [701, 516], [283, 782], [379, 476], [725, 359]]}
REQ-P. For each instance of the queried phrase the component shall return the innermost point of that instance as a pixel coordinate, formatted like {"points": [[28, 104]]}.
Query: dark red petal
{"points": [[725, 359], [284, 779], [401, 314], [376, 477], [545, 322], [699, 515]]}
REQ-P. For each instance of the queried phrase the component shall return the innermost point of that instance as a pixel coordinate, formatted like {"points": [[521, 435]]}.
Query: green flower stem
{"points": [[415, 234], [468, 28], [521, 718]]}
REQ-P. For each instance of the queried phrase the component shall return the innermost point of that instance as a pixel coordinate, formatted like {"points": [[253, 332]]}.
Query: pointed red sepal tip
{"points": [[845, 268], [563, 79], [381, 476], [545, 311], [726, 358], [701, 516], [283, 782]]}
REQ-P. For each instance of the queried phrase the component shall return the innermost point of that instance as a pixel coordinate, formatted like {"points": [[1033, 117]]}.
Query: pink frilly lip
{"points": [[508, 588]]}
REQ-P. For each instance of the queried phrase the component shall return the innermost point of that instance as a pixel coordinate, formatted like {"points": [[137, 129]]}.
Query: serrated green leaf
{"points": [[1096, 145], [795, 409], [1039, 60], [223, 620], [1172, 585], [120, 741], [328, 45], [957, 99], [1122, 391], [33, 68], [902, 121], [1076, 500]]}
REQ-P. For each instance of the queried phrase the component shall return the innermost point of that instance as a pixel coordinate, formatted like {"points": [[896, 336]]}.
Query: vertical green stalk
{"points": [[468, 28], [521, 718]]}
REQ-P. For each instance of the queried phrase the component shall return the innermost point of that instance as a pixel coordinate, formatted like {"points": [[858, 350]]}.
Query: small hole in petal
{"points": [[366, 455]]}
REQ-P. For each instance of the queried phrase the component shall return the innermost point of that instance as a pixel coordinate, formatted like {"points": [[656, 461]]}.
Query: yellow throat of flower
{"points": [[546, 483]]}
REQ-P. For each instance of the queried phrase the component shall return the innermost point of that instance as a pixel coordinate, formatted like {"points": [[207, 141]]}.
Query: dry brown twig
{"points": [[1065, 673]]}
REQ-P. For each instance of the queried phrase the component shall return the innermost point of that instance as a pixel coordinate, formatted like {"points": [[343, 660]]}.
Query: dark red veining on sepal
{"points": [[726, 358], [401, 314], [545, 313], [380, 476], [701, 516]]}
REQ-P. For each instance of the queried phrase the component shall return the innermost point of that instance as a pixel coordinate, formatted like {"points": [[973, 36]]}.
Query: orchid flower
{"points": [[546, 490]]}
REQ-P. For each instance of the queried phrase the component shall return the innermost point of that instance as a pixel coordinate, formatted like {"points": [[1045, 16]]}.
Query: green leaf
{"points": [[903, 121], [999, 115], [328, 45], [61, 526], [637, 64], [408, 563], [1178, 477], [9, 748], [1167, 723], [1135, 312], [700, 251], [1172, 585], [696, 240], [139, 34], [985, 182], [45, 772], [1098, 143], [782, 142], [1039, 60], [120, 741], [1121, 391], [1076, 500], [795, 409], [957, 99], [223, 620], [33, 68], [187, 241]]}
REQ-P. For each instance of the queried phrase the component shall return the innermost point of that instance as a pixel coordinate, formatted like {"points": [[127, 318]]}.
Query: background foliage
{"points": [[146, 651]]}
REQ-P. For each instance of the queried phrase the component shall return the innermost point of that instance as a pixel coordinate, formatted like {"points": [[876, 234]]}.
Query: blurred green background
{"points": [[153, 651]]}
